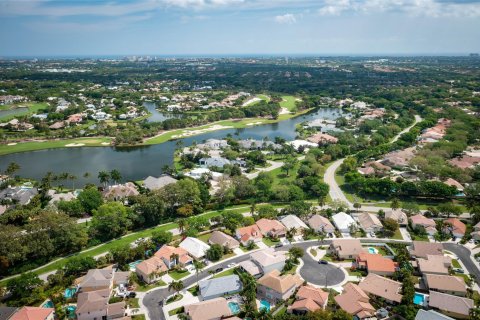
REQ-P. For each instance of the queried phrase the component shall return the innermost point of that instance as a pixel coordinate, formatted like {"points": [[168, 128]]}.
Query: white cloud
{"points": [[287, 18]]}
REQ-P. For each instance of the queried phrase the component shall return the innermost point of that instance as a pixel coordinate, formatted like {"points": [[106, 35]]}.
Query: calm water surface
{"points": [[137, 163]]}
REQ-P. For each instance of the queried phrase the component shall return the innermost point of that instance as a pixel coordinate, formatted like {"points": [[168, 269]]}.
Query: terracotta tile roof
{"points": [[208, 310], [305, 304], [454, 183], [456, 226], [347, 246], [166, 252], [382, 287], [268, 225], [355, 301], [32, 313], [278, 283], [419, 219], [464, 162], [447, 302], [434, 264], [376, 262], [249, 232], [315, 294], [153, 264], [397, 215], [422, 249], [445, 283], [322, 138]]}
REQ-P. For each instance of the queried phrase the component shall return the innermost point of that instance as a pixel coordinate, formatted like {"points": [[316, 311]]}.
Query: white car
{"points": [[232, 265]]}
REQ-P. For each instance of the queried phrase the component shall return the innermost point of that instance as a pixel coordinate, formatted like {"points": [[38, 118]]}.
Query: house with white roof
{"points": [[343, 222], [269, 259], [292, 221], [194, 247]]}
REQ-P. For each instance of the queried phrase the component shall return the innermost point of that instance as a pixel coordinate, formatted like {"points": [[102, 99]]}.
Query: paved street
{"points": [[464, 255]]}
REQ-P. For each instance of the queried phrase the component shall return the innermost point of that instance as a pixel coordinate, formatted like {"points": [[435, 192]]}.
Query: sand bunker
{"points": [[254, 123], [105, 143], [284, 111], [75, 145], [200, 131], [12, 144]]}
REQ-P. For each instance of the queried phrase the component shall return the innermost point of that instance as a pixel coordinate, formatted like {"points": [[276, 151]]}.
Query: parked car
{"points": [[458, 270], [218, 270], [232, 265], [279, 245], [132, 294], [323, 262]]}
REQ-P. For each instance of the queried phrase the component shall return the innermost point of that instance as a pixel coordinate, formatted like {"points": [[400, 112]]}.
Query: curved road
{"points": [[335, 192]]}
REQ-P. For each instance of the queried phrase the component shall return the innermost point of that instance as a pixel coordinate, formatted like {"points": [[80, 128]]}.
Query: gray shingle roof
{"points": [[219, 286]]}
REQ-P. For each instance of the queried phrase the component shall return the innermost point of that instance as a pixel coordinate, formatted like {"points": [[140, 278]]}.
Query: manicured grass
{"points": [[397, 235], [456, 264], [291, 271], [177, 275], [204, 237], [52, 144], [176, 311], [228, 255], [288, 102], [138, 317], [194, 290], [133, 302], [269, 242], [144, 288], [462, 275], [280, 311], [31, 109], [174, 298], [244, 249], [355, 273], [313, 252], [228, 272], [264, 97]]}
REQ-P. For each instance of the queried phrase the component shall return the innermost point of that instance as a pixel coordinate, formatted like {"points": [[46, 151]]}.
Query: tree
{"points": [[289, 164], [104, 178], [77, 265], [215, 252], [349, 164], [395, 204], [90, 199], [198, 267], [295, 253], [182, 225], [161, 237], [176, 286], [448, 209], [21, 287], [390, 226], [73, 207], [116, 176], [357, 206], [185, 193], [109, 221]]}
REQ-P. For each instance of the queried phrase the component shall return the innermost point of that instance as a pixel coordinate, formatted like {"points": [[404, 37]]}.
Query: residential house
{"points": [[248, 234], [369, 222], [95, 305], [346, 248], [382, 287], [293, 222], [218, 162], [445, 284], [355, 301], [268, 259], [275, 287], [434, 264], [430, 315], [33, 313], [252, 268], [322, 138], [271, 228], [456, 307], [374, 168], [343, 222], [196, 248], [20, 195], [120, 191], [465, 161], [308, 299], [57, 197], [218, 237], [250, 144], [214, 309], [375, 263], [321, 224], [75, 118], [398, 215], [97, 279], [152, 183], [455, 227], [58, 125], [219, 287], [215, 144], [419, 221], [454, 183], [399, 159], [422, 249]]}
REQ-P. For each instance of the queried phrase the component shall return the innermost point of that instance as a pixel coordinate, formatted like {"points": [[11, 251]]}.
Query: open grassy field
{"points": [[52, 144], [288, 102], [32, 107]]}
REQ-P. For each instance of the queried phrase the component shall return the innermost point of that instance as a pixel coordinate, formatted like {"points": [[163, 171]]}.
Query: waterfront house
{"points": [[152, 183]]}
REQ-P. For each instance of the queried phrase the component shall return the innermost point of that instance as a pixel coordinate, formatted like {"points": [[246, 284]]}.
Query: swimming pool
{"points": [[71, 312], [419, 299], [234, 307], [69, 293], [372, 250], [264, 304], [134, 264], [48, 304]]}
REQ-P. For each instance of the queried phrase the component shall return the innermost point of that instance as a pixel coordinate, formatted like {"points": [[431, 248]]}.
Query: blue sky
{"points": [[223, 27]]}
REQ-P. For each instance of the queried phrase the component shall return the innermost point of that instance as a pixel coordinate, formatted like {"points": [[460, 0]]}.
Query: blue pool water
{"points": [[372, 250], [69, 293], [264, 304], [48, 304], [71, 312], [134, 264], [419, 299], [234, 307]]}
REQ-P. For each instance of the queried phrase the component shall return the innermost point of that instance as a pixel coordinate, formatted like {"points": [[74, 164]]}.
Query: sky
{"points": [[238, 27]]}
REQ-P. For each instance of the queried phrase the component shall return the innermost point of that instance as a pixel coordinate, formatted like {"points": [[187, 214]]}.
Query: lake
{"points": [[158, 116], [136, 163], [7, 113]]}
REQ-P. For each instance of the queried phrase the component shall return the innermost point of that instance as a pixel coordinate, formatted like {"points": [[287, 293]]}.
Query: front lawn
{"points": [[174, 298], [456, 264], [176, 311], [194, 290], [138, 317], [225, 273], [313, 252], [133, 303], [177, 275], [244, 249], [397, 235], [228, 255], [269, 242], [146, 287]]}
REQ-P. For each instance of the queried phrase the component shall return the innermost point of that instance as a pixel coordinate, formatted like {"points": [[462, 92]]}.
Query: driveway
{"points": [[335, 192], [273, 165]]}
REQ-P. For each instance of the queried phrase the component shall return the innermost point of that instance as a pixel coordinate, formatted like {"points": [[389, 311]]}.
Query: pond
{"points": [[158, 116], [7, 113], [136, 163]]}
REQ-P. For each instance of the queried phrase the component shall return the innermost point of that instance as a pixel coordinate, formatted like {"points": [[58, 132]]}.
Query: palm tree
{"points": [[291, 232], [115, 175], [176, 286], [253, 208], [321, 236], [198, 267], [182, 225], [104, 177], [395, 204], [322, 201]]}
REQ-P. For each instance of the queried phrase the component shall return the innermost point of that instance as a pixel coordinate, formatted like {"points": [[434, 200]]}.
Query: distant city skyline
{"points": [[52, 28]]}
